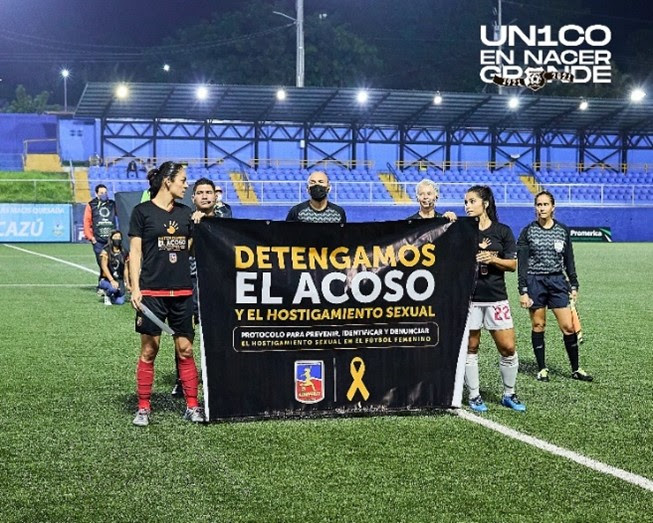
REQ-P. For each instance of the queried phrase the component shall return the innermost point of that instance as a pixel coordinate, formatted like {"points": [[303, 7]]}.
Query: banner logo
{"points": [[309, 381], [357, 376], [535, 56]]}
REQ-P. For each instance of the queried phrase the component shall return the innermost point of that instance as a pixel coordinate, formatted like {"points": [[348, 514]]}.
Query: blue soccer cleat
{"points": [[477, 404], [512, 402]]}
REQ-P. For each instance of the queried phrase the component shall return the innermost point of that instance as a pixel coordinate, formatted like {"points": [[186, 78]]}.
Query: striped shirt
{"points": [[303, 212], [545, 251]]}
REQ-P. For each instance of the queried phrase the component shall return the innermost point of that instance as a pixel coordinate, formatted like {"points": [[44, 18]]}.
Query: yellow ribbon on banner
{"points": [[357, 376]]}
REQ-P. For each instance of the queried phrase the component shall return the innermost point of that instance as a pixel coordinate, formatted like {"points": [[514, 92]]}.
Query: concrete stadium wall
{"points": [[15, 128]]}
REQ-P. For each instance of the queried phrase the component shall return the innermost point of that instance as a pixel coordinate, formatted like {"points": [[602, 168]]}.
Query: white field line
{"points": [[81, 267], [540, 444], [71, 285]]}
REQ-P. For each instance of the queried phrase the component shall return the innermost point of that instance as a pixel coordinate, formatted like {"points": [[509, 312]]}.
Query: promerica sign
{"points": [[306, 318]]}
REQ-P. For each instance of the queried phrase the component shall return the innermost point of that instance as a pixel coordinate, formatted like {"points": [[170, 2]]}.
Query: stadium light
{"points": [[65, 73], [202, 93], [166, 68], [637, 95], [583, 105], [122, 91], [513, 103], [362, 97], [281, 94], [437, 99]]}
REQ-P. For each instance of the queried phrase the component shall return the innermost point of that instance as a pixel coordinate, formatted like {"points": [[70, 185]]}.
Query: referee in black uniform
{"points": [[547, 276]]}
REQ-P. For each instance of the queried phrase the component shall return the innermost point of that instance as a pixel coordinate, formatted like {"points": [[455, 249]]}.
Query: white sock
{"points": [[471, 375], [509, 365]]}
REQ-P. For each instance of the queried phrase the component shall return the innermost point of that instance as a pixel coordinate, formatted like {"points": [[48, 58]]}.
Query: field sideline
{"points": [[68, 451]]}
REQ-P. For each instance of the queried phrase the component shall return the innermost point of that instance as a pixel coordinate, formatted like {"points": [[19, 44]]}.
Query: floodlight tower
{"points": [[65, 73]]}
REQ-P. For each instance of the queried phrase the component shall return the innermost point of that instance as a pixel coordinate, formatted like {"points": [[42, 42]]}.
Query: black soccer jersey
{"points": [[545, 251], [116, 262], [303, 212], [418, 216], [165, 237], [490, 281]]}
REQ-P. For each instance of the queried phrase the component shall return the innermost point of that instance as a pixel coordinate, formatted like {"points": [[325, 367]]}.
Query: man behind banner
{"points": [[204, 199], [317, 209]]}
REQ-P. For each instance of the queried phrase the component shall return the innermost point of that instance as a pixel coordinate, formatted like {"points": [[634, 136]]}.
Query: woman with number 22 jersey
{"points": [[490, 308]]}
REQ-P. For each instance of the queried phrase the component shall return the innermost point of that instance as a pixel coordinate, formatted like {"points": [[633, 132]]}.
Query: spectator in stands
{"points": [[545, 255], [427, 194], [132, 167], [160, 232], [317, 209], [99, 221], [114, 261], [490, 308], [222, 209]]}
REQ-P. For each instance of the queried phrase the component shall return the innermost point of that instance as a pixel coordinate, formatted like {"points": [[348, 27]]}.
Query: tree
{"points": [[254, 46], [24, 103]]}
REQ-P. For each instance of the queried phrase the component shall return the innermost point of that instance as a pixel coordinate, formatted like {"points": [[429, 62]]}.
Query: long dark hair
{"points": [[486, 195], [165, 170]]}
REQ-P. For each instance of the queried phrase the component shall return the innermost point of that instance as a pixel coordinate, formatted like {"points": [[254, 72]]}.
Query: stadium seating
{"points": [[286, 185]]}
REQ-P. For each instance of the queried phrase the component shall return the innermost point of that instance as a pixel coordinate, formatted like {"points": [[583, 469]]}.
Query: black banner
{"points": [[303, 318]]}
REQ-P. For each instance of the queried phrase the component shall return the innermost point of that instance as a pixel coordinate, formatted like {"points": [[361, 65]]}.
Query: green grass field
{"points": [[49, 187], [68, 451]]}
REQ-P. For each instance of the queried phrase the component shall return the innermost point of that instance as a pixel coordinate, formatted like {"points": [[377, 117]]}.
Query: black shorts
{"points": [[178, 311], [548, 290]]}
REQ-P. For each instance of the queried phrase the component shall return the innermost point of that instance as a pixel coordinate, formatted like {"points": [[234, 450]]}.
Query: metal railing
{"points": [[421, 165], [365, 193]]}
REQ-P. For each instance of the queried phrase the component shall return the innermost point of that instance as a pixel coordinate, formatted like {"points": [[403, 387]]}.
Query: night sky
{"points": [[26, 24]]}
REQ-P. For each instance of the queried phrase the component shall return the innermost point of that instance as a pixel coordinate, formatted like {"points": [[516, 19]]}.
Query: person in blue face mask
{"points": [[99, 221], [317, 209]]}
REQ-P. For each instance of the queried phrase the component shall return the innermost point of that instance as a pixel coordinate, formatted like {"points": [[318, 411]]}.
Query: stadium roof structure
{"points": [[317, 105]]}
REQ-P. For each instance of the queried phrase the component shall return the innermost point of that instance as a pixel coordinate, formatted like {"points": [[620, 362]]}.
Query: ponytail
{"points": [[486, 195], [165, 170]]}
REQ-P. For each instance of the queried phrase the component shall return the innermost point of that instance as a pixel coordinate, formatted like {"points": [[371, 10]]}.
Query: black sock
{"points": [[537, 338], [571, 345]]}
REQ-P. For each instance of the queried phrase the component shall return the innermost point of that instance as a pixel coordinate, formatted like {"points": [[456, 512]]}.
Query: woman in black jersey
{"points": [[114, 261], [545, 255], [160, 232], [490, 308]]}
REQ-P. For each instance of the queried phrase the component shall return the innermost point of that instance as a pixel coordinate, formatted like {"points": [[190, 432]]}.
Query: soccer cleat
{"points": [[177, 391], [107, 300], [142, 418], [543, 375], [477, 404], [194, 415], [581, 375], [512, 402]]}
